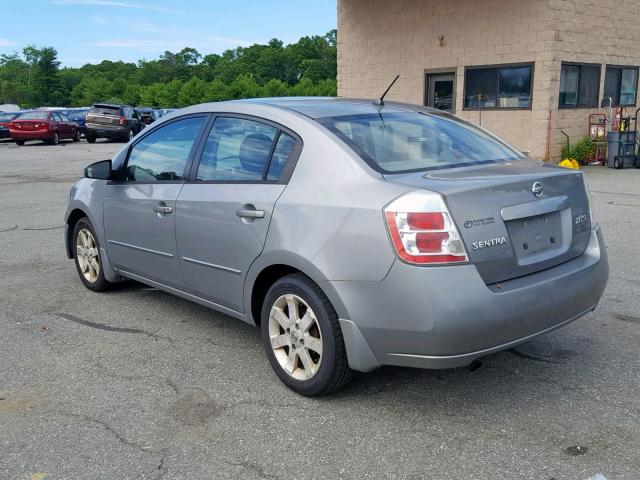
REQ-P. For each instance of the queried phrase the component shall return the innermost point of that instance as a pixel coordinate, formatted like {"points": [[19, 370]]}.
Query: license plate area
{"points": [[540, 237]]}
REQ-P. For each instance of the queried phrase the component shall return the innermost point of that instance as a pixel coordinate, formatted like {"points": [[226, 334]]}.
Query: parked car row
{"points": [[52, 124]]}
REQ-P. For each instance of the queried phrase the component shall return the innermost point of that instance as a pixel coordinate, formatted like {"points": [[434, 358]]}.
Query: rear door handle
{"points": [[250, 213], [163, 209]]}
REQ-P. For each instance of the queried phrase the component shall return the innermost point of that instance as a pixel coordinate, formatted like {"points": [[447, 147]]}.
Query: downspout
{"points": [[547, 155]]}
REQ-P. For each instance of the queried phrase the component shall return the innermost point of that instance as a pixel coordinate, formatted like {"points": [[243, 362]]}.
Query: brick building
{"points": [[524, 69]]}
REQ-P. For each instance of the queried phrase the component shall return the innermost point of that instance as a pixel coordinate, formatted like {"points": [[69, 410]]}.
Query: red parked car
{"points": [[5, 118], [48, 126]]}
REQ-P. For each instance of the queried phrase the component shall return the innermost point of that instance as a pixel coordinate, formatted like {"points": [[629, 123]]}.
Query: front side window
{"points": [[237, 150], [163, 154], [507, 86], [411, 141], [621, 84], [579, 85]]}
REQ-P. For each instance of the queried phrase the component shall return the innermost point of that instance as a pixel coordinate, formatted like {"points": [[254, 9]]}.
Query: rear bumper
{"points": [[107, 131], [44, 135], [444, 317]]}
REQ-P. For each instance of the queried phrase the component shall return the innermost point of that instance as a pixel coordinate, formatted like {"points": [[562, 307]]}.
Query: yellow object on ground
{"points": [[570, 163]]}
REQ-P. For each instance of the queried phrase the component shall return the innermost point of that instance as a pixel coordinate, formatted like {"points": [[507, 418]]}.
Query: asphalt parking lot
{"points": [[137, 383]]}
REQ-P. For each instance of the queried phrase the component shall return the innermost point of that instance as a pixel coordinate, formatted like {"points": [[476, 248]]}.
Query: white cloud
{"points": [[99, 19], [203, 43], [6, 43], [113, 3]]}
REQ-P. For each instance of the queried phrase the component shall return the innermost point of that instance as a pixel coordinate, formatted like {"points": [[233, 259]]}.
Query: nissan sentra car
{"points": [[355, 234]]}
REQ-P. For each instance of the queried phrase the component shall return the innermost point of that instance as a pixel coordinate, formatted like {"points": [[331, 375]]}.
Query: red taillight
{"points": [[123, 120], [430, 242], [422, 231], [425, 220]]}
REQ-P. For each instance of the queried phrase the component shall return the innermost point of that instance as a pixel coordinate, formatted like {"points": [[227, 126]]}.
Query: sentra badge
{"points": [[493, 242]]}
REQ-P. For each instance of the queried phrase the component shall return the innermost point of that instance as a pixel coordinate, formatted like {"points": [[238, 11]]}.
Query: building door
{"points": [[441, 91]]}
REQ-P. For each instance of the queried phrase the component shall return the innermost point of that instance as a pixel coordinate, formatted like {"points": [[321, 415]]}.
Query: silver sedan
{"points": [[354, 234]]}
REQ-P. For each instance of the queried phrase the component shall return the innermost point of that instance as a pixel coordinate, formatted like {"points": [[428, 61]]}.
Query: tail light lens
{"points": [[592, 217], [422, 231], [123, 120]]}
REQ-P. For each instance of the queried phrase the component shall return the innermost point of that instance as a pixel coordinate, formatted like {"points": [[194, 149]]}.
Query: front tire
{"points": [[76, 136], [90, 138], [20, 142], [86, 253], [302, 337], [55, 140]]}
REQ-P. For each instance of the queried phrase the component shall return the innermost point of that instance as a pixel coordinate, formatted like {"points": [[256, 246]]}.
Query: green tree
{"points": [[33, 77]]}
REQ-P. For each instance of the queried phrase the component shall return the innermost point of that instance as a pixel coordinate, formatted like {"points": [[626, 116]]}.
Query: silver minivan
{"points": [[355, 234]]}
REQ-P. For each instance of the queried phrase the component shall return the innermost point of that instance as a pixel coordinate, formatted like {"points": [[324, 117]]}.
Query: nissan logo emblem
{"points": [[537, 189]]}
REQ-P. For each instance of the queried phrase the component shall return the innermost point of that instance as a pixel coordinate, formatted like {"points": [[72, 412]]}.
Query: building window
{"points": [[579, 85], [504, 86], [621, 84]]}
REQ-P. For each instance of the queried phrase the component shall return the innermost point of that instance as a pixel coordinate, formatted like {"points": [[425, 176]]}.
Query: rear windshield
{"points": [[78, 113], [103, 110], [33, 116], [6, 117], [410, 141]]}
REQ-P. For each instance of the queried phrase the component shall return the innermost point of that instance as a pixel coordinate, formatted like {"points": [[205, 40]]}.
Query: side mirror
{"points": [[99, 170]]}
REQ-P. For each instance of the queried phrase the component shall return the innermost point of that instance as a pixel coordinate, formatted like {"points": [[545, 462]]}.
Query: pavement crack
{"points": [[10, 229], [254, 467], [616, 193], [626, 318], [34, 229], [107, 328], [532, 356], [121, 439]]}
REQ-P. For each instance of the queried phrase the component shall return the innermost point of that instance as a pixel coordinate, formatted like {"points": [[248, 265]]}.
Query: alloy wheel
{"points": [[295, 336], [87, 254]]}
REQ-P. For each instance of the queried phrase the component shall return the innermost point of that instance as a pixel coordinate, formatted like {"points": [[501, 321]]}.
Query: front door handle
{"points": [[250, 213], [163, 209]]}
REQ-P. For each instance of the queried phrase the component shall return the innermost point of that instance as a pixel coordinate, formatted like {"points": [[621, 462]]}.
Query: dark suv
{"points": [[120, 122]]}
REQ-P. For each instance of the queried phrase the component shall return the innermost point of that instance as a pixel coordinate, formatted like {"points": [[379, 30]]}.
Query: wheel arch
{"points": [[266, 273], [73, 217]]}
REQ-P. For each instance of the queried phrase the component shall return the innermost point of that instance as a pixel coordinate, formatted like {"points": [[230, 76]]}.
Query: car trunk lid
{"points": [[515, 218], [29, 125]]}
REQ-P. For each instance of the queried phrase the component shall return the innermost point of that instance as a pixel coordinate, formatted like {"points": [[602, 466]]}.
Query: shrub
{"points": [[581, 150]]}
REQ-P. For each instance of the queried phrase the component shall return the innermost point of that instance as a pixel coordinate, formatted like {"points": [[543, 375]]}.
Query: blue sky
{"points": [[92, 30]]}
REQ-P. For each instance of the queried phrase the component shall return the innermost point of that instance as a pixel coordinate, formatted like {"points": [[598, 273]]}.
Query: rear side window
{"points": [[163, 154], [411, 141], [105, 110], [281, 154], [237, 150]]}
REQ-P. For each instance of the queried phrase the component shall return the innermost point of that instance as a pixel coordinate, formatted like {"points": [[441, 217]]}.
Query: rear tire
{"points": [[129, 135], [618, 163], [20, 142], [87, 257], [55, 140], [302, 337], [76, 136]]}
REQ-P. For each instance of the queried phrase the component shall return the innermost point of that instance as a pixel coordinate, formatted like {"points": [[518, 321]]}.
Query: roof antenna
{"points": [[381, 100]]}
